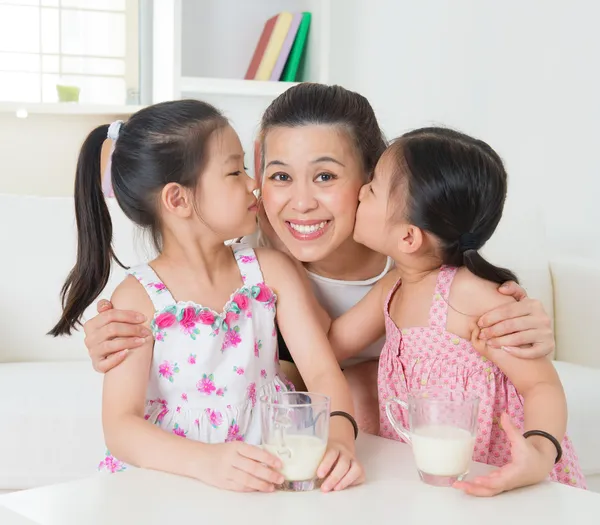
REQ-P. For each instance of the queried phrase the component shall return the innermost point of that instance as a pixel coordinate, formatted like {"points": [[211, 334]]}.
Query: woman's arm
{"points": [[112, 333], [314, 358], [522, 328], [363, 324]]}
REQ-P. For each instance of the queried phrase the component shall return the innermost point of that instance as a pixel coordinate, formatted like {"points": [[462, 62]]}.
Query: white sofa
{"points": [[50, 428]]}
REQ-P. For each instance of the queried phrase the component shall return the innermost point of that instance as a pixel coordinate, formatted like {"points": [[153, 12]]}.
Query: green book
{"points": [[292, 66]]}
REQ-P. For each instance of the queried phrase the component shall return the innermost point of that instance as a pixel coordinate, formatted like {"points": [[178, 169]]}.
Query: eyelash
{"points": [[236, 173], [275, 175]]}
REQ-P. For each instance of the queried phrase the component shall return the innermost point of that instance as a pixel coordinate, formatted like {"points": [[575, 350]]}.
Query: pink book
{"points": [[286, 47]]}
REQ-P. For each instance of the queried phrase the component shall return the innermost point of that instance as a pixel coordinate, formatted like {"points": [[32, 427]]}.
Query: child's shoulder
{"points": [[131, 295], [275, 262], [473, 295], [387, 283]]}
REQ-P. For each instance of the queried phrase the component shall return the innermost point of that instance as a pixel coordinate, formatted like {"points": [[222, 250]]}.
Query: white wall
{"points": [[521, 75], [38, 154]]}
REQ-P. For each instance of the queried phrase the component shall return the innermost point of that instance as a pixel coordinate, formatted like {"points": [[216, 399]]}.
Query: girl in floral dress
{"points": [[186, 401], [436, 198]]}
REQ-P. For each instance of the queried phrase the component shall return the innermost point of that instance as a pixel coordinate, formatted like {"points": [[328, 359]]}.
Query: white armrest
{"points": [[583, 401], [576, 285]]}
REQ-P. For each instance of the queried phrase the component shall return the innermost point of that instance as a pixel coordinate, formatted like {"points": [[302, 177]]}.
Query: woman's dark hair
{"points": [[158, 145], [456, 187], [310, 103]]}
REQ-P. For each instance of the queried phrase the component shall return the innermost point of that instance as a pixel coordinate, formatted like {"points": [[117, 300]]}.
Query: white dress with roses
{"points": [[208, 367]]}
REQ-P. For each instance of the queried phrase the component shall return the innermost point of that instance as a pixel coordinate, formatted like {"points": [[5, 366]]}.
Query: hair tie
{"points": [[113, 130], [113, 134], [468, 241]]}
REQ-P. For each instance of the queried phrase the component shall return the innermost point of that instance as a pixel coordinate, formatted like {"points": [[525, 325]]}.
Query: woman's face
{"points": [[310, 188]]}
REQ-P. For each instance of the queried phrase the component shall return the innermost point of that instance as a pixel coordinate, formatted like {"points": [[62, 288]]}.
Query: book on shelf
{"points": [[292, 66], [260, 48], [281, 48], [286, 47]]}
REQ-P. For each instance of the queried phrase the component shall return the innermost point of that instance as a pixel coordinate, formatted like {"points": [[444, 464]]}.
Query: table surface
{"points": [[392, 494]]}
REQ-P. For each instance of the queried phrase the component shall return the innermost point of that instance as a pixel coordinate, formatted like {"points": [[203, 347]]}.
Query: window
{"points": [[89, 44]]}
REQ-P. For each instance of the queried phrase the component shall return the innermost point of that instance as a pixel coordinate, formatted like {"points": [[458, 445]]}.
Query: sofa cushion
{"points": [[41, 240], [51, 427], [576, 291], [583, 399]]}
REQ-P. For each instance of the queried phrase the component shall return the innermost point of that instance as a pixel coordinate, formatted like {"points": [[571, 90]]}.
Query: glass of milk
{"points": [[441, 427], [295, 428]]}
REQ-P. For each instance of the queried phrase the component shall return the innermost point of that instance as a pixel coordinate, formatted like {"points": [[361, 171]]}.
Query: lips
{"points": [[308, 230]]}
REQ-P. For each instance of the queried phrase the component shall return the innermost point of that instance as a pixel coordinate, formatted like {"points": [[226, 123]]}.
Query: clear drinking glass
{"points": [[295, 428], [443, 428]]}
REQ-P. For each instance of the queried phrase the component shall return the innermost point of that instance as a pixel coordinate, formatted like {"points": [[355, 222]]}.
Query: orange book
{"points": [[260, 47]]}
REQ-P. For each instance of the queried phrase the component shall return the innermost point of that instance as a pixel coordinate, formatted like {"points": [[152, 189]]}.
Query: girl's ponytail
{"points": [[478, 266], [468, 245], [94, 237]]}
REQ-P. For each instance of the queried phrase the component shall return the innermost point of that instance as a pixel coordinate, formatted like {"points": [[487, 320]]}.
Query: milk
{"points": [[300, 455], [442, 450]]}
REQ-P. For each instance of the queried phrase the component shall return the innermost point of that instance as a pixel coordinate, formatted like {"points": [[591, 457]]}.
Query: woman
{"points": [[319, 145]]}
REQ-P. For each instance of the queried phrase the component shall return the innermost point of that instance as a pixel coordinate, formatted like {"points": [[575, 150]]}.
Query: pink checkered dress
{"points": [[423, 357]]}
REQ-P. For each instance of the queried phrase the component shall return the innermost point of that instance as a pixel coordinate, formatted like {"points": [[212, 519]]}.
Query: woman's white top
{"points": [[337, 297]]}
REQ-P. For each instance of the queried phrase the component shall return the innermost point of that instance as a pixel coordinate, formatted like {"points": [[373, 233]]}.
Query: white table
{"points": [[392, 494]]}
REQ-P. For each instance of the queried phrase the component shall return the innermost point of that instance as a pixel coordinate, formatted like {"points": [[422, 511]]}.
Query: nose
{"points": [[363, 192], [251, 183], [303, 199]]}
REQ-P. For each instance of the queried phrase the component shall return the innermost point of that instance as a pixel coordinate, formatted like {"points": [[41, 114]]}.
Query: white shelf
{"points": [[66, 108], [225, 86]]}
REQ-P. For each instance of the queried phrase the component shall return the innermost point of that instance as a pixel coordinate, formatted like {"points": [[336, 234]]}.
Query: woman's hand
{"points": [[531, 463], [522, 328], [240, 467], [340, 468], [110, 334]]}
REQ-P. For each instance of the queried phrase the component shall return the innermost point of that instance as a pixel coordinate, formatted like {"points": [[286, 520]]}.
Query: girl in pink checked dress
{"points": [[186, 401], [435, 199]]}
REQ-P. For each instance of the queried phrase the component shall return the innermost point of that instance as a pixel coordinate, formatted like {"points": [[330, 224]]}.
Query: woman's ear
{"points": [[177, 199]]}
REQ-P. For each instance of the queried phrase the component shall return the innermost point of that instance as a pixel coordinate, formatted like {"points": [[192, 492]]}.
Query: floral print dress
{"points": [[208, 367]]}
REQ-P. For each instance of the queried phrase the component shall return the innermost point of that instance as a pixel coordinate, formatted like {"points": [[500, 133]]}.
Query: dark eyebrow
{"points": [[316, 161], [328, 159], [276, 163]]}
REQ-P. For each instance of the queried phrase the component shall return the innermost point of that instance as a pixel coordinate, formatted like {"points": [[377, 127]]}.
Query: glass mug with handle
{"points": [[295, 429], [442, 431]]}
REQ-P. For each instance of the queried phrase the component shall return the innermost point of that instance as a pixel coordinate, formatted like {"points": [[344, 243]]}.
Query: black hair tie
{"points": [[549, 437], [349, 418], [468, 241]]}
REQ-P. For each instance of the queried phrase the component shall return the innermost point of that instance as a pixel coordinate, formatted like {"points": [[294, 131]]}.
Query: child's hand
{"points": [[340, 468], [529, 466], [240, 467]]}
